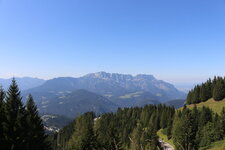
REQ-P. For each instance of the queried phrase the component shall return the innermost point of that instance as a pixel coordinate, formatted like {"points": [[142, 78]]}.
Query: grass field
{"points": [[131, 95], [216, 106], [164, 138]]}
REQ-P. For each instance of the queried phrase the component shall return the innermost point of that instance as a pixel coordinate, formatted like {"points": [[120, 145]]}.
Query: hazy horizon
{"points": [[182, 86], [81, 75]]}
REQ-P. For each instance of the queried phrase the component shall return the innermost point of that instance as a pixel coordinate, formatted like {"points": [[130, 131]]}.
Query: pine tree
{"points": [[196, 95], [14, 126], [36, 138], [83, 137], [208, 87], [219, 89], [184, 131], [203, 93], [190, 99], [205, 116], [163, 120], [209, 133], [223, 121], [2, 117]]}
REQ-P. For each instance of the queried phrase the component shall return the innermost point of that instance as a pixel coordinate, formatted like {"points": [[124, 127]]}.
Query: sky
{"points": [[180, 41]]}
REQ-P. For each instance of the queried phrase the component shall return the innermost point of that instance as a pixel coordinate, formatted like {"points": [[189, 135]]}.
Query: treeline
{"points": [[127, 129], [20, 126], [210, 89], [136, 128], [197, 128]]}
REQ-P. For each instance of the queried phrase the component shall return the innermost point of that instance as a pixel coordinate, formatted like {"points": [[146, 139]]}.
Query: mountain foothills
{"points": [[78, 102], [117, 90]]}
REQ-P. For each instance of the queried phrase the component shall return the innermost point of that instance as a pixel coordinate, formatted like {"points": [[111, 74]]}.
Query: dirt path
{"points": [[165, 146]]}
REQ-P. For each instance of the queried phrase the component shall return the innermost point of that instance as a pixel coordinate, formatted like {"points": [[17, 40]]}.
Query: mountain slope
{"points": [[54, 123], [175, 103], [116, 87], [24, 83], [75, 103], [148, 83]]}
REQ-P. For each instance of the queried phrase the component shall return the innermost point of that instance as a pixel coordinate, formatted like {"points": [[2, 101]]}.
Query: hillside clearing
{"points": [[216, 106]]}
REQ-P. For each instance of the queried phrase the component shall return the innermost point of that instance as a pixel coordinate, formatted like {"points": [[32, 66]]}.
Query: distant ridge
{"points": [[113, 85], [24, 83], [121, 90]]}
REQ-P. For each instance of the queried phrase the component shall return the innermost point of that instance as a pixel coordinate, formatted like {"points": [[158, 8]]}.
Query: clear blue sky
{"points": [[175, 40]]}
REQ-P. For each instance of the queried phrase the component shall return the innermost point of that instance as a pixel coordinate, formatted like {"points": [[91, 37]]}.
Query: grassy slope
{"points": [[164, 137], [218, 145], [216, 106]]}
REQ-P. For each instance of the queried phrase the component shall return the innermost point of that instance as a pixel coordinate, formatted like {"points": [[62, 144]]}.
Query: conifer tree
{"points": [[205, 116], [196, 95], [36, 138], [14, 126], [83, 137], [163, 120], [219, 89], [190, 97], [2, 117], [223, 121], [208, 87], [184, 131], [203, 93]]}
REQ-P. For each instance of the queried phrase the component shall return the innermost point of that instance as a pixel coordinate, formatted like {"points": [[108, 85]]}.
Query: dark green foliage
{"points": [[205, 115], [127, 129], [211, 88], [14, 126], [83, 137], [223, 121], [36, 138], [20, 127], [60, 140], [209, 133], [195, 128], [219, 89], [2, 118], [184, 131]]}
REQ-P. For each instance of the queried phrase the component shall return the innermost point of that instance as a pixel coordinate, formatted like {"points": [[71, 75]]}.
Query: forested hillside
{"points": [[128, 128], [135, 129], [210, 89]]}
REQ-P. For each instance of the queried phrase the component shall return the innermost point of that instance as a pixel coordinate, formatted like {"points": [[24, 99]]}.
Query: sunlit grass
{"points": [[216, 106], [218, 145]]}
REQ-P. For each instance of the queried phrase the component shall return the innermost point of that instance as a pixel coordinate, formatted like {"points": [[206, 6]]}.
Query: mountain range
{"points": [[99, 92]]}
